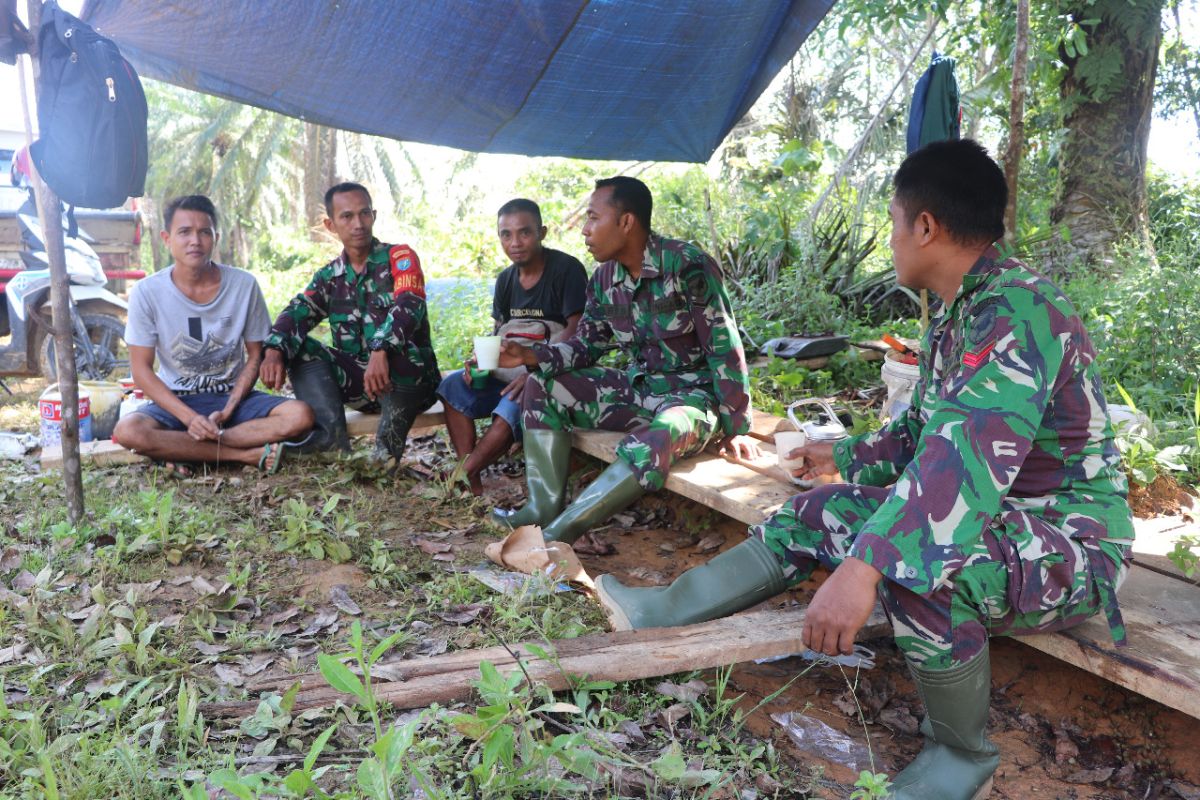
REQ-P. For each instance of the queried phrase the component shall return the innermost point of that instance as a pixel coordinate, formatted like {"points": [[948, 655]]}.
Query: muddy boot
{"points": [[614, 490], [313, 382], [547, 457], [737, 579], [958, 760], [398, 409]]}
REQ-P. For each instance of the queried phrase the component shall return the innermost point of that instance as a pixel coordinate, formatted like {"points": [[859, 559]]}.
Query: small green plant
{"points": [[319, 534], [871, 786]]}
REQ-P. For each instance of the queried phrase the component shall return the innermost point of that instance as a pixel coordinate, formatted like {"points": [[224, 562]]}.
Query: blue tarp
{"points": [[662, 80]]}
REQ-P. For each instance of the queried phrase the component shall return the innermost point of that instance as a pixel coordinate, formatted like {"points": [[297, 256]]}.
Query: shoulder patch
{"points": [[406, 271], [981, 335]]}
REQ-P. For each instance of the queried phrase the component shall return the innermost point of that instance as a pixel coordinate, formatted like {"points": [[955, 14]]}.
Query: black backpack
{"points": [[91, 115]]}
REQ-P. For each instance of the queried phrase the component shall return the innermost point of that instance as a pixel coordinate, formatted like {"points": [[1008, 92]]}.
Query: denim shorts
{"points": [[255, 405], [482, 403]]}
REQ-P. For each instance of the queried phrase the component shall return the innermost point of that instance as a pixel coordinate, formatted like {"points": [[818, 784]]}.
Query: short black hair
{"points": [[518, 205], [342, 188], [959, 184], [189, 202], [630, 195]]}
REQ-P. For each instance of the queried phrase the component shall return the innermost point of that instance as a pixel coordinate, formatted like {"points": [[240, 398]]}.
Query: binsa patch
{"points": [[407, 277]]}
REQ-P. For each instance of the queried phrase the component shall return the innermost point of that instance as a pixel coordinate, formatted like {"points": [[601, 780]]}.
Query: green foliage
{"points": [[461, 311], [319, 534]]}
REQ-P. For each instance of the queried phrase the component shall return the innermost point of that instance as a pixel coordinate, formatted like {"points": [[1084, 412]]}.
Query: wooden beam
{"points": [[360, 424], [100, 453], [623, 656], [1162, 658]]}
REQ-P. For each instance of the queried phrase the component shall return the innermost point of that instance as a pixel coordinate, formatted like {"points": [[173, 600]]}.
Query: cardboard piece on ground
{"points": [[524, 550], [104, 451]]}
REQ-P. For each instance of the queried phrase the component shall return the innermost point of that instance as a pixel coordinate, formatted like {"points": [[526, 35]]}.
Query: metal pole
{"points": [[50, 214]]}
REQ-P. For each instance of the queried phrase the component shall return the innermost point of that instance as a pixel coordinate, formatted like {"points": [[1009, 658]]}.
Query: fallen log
{"points": [[621, 656]]}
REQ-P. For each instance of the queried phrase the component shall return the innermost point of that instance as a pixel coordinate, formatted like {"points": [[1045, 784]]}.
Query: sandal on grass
{"points": [[280, 449], [176, 469]]}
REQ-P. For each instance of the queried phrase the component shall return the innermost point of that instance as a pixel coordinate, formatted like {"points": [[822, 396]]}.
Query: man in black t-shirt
{"points": [[541, 285]]}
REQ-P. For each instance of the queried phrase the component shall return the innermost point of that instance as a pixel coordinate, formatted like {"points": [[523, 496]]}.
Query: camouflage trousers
{"points": [[348, 371], [1024, 575], [662, 428]]}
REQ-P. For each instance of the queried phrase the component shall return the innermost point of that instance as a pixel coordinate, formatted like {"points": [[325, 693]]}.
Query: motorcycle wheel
{"points": [[110, 354]]}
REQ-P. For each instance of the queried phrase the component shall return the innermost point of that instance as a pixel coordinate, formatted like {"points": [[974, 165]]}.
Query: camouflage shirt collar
{"points": [[651, 261], [342, 263], [986, 266]]}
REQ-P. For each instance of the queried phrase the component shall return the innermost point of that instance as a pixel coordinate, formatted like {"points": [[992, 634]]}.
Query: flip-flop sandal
{"points": [[266, 453], [176, 469]]}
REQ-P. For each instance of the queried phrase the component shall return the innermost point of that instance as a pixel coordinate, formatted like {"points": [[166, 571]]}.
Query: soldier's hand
{"points": [[272, 372], [377, 377], [818, 465], [840, 608], [515, 387], [470, 362], [515, 355], [740, 446]]}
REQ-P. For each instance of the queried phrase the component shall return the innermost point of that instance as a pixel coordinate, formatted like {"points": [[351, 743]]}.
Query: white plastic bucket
{"points": [[900, 380], [50, 411]]}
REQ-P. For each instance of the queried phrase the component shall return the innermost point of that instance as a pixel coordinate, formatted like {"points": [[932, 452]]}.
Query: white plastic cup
{"points": [[785, 443], [487, 352]]}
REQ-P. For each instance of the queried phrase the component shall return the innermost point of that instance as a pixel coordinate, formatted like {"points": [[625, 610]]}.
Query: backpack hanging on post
{"points": [[91, 115]]}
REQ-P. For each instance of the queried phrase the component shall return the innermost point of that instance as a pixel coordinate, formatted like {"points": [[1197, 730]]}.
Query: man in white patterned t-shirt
{"points": [[206, 322]]}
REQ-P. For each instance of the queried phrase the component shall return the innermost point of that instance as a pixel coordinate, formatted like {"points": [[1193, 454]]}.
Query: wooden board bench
{"points": [[107, 451], [1161, 608]]}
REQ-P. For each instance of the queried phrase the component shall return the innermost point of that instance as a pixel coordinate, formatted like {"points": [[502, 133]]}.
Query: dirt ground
{"points": [[1063, 733]]}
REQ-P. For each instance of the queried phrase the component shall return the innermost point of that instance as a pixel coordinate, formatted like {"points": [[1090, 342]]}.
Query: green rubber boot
{"points": [[958, 760], [547, 457], [616, 488], [398, 410], [313, 382], [735, 580]]}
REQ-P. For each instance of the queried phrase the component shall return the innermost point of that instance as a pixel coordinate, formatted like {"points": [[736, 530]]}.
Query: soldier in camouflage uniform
{"points": [[1006, 512], [664, 303], [373, 296]]}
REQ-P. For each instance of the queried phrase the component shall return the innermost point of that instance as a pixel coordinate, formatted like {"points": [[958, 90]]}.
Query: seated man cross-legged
{"points": [[1006, 512], [542, 294], [664, 303], [206, 322], [373, 295]]}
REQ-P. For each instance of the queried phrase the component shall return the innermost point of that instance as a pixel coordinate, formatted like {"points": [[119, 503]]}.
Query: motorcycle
{"points": [[97, 315]]}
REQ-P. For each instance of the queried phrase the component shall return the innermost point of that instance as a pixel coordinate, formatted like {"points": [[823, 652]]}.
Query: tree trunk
{"points": [[1108, 96], [1016, 120], [320, 172], [50, 216]]}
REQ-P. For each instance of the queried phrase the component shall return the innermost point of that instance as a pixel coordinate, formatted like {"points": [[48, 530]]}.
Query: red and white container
{"points": [[50, 410]]}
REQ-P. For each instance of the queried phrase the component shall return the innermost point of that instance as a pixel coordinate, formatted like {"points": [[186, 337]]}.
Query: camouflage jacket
{"points": [[381, 309], [1008, 408], [675, 322]]}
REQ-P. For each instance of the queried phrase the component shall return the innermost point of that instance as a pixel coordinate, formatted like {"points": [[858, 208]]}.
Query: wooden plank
{"points": [[360, 424], [108, 452], [1154, 538], [731, 488], [622, 656], [102, 452], [1162, 658]]}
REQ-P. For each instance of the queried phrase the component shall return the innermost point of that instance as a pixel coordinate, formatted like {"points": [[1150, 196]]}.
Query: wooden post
{"points": [[1016, 120], [712, 233], [50, 216]]}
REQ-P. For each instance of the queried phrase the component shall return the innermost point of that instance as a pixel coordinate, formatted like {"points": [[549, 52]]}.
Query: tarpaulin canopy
{"points": [[660, 80]]}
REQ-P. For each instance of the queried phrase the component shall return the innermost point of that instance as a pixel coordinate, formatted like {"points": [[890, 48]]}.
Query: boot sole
{"points": [[618, 620]]}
